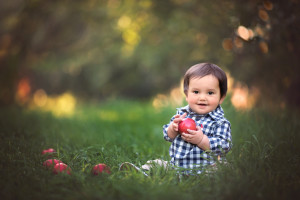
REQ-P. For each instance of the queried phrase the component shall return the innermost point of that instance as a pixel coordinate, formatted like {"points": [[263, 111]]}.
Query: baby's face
{"points": [[203, 95]]}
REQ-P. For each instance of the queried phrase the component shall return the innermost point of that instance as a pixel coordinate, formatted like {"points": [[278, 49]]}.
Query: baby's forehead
{"points": [[210, 81], [201, 76]]}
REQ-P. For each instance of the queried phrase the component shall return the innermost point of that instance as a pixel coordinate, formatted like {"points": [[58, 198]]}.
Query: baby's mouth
{"points": [[201, 104]]}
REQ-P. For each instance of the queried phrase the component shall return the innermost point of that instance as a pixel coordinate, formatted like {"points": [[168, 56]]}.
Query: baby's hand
{"points": [[194, 137], [176, 121]]}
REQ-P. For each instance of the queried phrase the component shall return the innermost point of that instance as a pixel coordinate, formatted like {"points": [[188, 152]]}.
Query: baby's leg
{"points": [[155, 163]]}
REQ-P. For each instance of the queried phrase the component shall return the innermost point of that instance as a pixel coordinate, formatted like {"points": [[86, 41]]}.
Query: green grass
{"points": [[264, 161]]}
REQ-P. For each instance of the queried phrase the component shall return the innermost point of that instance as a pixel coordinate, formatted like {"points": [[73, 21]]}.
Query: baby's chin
{"points": [[202, 109]]}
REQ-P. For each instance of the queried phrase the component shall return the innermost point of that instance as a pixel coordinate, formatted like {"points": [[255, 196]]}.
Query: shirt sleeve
{"points": [[220, 141], [165, 131]]}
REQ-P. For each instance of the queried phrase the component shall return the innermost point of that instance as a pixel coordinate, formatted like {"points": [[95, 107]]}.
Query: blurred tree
{"points": [[138, 48], [269, 58]]}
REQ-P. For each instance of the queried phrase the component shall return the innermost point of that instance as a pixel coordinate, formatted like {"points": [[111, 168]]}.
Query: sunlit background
{"points": [[242, 98], [54, 55]]}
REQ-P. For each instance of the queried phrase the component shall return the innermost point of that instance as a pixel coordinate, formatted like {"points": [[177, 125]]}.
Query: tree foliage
{"points": [[134, 48]]}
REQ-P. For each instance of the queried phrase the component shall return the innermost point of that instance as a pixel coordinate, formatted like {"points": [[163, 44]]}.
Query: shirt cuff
{"points": [[166, 137]]}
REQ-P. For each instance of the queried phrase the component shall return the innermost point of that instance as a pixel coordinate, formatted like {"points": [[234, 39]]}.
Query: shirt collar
{"points": [[216, 114]]}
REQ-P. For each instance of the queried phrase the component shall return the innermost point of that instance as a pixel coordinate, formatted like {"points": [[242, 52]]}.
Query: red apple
{"points": [[61, 168], [50, 163], [100, 168], [48, 151], [185, 124]]}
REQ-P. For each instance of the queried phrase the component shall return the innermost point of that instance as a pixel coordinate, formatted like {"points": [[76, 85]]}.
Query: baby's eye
{"points": [[210, 93], [196, 92]]}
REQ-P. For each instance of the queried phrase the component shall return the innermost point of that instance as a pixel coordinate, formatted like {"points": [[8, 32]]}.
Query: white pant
{"points": [[154, 163]]}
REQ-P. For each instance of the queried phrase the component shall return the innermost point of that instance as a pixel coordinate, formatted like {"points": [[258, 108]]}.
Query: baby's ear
{"points": [[185, 92], [222, 99], [186, 95]]}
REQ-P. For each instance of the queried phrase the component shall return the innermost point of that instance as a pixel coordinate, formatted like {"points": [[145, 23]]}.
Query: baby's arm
{"points": [[204, 143], [219, 143]]}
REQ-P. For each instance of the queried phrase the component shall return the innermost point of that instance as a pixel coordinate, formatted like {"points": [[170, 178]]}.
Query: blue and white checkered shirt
{"points": [[189, 156]]}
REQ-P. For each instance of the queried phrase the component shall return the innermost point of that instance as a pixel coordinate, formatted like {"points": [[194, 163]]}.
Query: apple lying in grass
{"points": [[50, 163], [61, 168], [48, 151], [100, 168], [186, 124]]}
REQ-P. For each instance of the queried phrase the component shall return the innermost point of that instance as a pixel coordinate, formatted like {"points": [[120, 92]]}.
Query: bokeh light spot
{"points": [[268, 5], [242, 98], [238, 43], [263, 47], [40, 98], [23, 91], [263, 15], [124, 22], [243, 32], [227, 44]]}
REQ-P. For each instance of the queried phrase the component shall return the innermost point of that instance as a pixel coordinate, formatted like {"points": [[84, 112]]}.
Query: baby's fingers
{"points": [[192, 132], [183, 115], [184, 136], [187, 137], [176, 116], [175, 127], [199, 128], [178, 119]]}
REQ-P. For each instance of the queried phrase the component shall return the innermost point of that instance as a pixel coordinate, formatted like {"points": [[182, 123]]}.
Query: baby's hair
{"points": [[203, 69]]}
